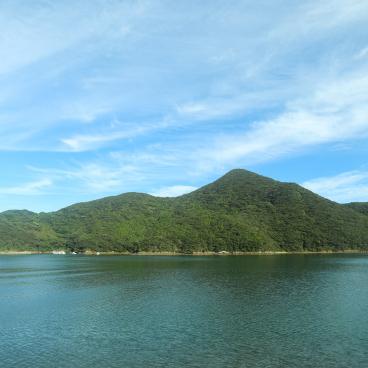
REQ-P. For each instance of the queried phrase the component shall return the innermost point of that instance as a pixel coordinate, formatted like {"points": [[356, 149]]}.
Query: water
{"points": [[252, 311]]}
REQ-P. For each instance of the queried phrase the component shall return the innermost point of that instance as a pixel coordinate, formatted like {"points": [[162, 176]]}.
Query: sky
{"points": [[102, 97]]}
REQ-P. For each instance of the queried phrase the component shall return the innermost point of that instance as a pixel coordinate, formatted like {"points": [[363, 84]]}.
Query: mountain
{"points": [[241, 211]]}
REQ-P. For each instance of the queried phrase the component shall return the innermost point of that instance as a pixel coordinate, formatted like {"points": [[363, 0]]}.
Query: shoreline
{"points": [[194, 254]]}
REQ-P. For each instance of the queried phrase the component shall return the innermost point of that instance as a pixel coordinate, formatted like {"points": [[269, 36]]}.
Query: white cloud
{"points": [[116, 64], [362, 53], [336, 112], [119, 131], [47, 49], [33, 32], [31, 188], [216, 108], [92, 176], [351, 186], [80, 143], [173, 191]]}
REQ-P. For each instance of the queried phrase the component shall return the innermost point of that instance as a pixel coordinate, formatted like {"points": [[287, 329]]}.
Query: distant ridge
{"points": [[240, 212]]}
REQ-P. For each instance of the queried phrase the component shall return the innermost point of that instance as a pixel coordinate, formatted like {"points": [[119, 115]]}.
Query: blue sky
{"points": [[103, 97]]}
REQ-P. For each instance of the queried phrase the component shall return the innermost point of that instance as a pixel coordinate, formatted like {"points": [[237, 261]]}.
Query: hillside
{"points": [[241, 211], [361, 207]]}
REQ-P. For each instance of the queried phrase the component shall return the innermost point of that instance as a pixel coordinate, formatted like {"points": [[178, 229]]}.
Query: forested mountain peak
{"points": [[241, 211]]}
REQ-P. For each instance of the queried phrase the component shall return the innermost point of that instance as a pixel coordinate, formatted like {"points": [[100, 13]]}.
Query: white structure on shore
{"points": [[58, 252]]}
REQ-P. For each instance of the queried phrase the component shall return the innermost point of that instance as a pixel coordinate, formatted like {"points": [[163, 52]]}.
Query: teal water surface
{"points": [[135, 311]]}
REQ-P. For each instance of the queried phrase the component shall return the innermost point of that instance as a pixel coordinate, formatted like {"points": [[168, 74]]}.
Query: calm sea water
{"points": [[252, 311]]}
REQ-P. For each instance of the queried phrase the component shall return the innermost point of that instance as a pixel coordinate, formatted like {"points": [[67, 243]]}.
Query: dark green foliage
{"points": [[361, 207], [241, 211]]}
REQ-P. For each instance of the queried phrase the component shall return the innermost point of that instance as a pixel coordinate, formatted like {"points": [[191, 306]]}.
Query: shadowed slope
{"points": [[361, 207]]}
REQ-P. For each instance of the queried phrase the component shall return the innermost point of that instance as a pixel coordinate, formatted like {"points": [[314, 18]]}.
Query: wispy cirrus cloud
{"points": [[31, 188], [88, 142], [41, 30], [92, 177], [361, 54], [336, 112], [345, 187], [97, 60], [173, 191], [154, 94], [115, 132]]}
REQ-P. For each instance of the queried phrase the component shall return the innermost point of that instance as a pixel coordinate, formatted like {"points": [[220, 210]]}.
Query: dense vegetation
{"points": [[361, 207], [241, 211]]}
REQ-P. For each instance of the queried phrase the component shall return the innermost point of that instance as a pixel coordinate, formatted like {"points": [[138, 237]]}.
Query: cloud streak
{"points": [[351, 186], [112, 96], [92, 177], [173, 191], [27, 189], [336, 112]]}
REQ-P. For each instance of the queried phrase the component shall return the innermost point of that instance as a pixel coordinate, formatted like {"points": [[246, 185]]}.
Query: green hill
{"points": [[241, 211], [361, 207]]}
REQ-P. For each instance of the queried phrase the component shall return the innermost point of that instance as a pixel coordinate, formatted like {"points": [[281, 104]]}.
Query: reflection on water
{"points": [[256, 311]]}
